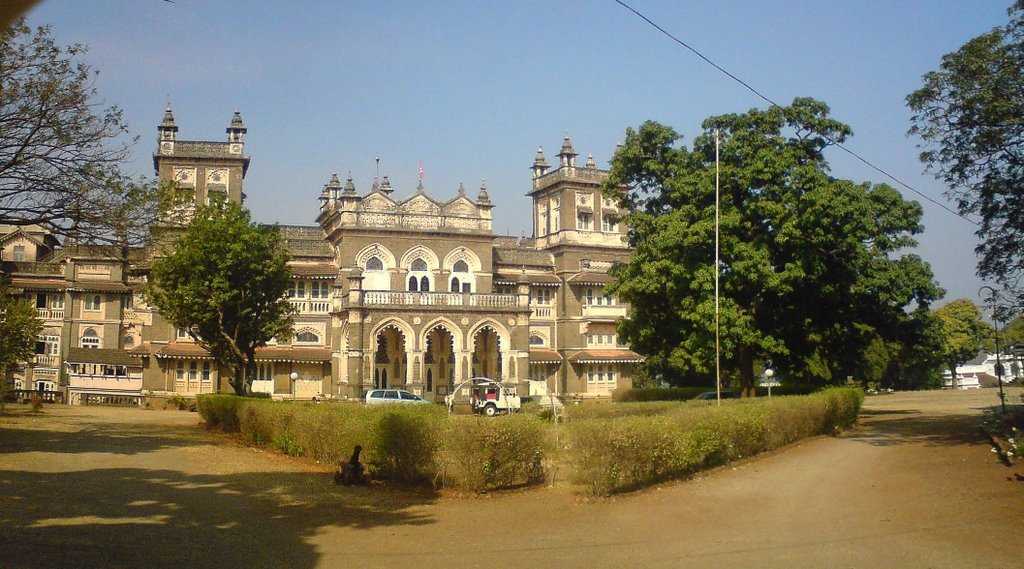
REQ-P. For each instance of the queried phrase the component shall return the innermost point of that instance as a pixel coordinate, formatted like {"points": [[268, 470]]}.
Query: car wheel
{"points": [[490, 410]]}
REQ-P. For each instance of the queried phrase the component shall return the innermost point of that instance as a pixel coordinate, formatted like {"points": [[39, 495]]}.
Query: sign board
{"points": [[769, 382]]}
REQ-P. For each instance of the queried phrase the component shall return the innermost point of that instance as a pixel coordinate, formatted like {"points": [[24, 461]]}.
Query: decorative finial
{"points": [[350, 187], [483, 197], [590, 161], [385, 185], [462, 189]]}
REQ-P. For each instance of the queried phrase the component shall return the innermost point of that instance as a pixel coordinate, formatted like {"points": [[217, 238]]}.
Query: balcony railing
{"points": [[44, 360], [50, 313], [386, 297], [604, 311], [541, 311], [310, 306]]}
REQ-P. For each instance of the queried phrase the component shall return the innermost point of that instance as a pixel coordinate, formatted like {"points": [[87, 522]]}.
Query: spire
{"points": [[167, 129], [462, 189], [333, 186], [590, 161], [567, 156], [385, 186], [540, 163], [482, 197], [350, 188], [236, 132]]}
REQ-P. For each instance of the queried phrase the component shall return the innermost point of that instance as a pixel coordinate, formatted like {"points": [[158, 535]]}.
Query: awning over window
{"points": [[591, 279], [535, 279], [101, 356], [542, 356], [313, 270], [606, 356], [39, 284], [293, 354]]}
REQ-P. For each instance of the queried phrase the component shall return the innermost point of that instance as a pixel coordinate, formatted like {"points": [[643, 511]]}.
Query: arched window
{"points": [[374, 264], [455, 285], [307, 337], [413, 284], [418, 265], [460, 267], [430, 380], [536, 340], [90, 339], [424, 284]]}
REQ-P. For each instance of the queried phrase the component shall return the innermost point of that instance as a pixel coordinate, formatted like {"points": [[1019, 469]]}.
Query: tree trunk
{"points": [[746, 363], [238, 381], [952, 372], [250, 370]]}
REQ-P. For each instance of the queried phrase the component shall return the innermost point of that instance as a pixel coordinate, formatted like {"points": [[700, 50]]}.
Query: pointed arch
{"points": [[403, 327], [420, 252], [496, 327], [448, 326], [385, 255], [462, 254]]}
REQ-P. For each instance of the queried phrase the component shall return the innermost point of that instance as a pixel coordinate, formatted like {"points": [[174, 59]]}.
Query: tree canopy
{"points": [[969, 114], [60, 149], [224, 281], [964, 332], [811, 266], [19, 331]]}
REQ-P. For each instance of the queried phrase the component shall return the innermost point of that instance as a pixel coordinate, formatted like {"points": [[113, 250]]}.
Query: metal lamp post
{"points": [[999, 364]]}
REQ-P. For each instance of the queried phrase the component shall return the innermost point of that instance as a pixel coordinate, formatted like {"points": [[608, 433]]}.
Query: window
{"points": [[609, 223], [297, 290], [193, 372], [90, 339], [206, 372], [430, 380], [588, 296], [19, 252], [466, 287], [460, 267], [41, 300], [179, 372], [418, 265], [540, 295], [182, 334], [584, 221], [264, 372], [455, 285], [414, 284], [319, 289], [424, 284], [93, 302], [374, 264], [390, 394], [56, 301], [307, 337], [554, 215], [601, 374], [536, 340]]}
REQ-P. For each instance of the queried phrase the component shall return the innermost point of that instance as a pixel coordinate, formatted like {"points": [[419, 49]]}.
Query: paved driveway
{"points": [[914, 486]]}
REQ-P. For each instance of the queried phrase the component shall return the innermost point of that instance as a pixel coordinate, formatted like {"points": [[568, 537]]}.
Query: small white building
{"points": [[981, 371]]}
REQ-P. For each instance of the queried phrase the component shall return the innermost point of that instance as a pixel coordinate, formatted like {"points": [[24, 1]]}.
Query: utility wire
{"points": [[765, 98]]}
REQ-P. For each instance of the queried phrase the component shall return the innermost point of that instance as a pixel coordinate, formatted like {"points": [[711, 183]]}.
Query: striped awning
{"points": [[591, 279], [606, 356]]}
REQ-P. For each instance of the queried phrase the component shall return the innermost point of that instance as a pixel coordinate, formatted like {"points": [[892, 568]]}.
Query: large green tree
{"points": [[969, 114], [811, 270], [19, 331], [964, 332], [224, 280]]}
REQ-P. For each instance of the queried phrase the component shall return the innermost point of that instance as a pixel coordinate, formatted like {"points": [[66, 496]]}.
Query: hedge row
{"points": [[627, 452], [413, 443], [659, 393]]}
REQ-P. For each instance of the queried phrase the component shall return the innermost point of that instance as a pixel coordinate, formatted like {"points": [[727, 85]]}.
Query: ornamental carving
{"points": [[185, 176], [217, 176]]}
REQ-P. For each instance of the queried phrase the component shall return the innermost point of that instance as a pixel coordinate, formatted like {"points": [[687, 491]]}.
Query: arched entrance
{"points": [[439, 361], [389, 361], [487, 354]]}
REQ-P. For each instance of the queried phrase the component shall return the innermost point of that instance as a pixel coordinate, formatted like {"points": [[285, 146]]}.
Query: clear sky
{"points": [[471, 88]]}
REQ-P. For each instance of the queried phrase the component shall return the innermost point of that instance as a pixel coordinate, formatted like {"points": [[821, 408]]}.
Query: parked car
{"points": [[488, 396], [712, 396], [393, 396]]}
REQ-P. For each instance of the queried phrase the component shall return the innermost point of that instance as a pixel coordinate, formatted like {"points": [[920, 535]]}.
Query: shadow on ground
{"points": [[164, 516], [888, 428]]}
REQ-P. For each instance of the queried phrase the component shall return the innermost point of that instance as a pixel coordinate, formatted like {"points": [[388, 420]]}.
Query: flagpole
{"points": [[718, 371]]}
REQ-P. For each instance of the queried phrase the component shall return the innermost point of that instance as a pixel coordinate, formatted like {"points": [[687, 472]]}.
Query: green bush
{"points": [[634, 450], [659, 393], [219, 411], [480, 453]]}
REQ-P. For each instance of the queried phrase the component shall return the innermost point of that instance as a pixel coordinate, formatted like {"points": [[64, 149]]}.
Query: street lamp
{"points": [[992, 294]]}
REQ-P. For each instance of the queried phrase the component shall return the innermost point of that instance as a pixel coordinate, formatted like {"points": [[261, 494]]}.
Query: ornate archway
{"points": [[439, 361], [390, 360], [487, 353]]}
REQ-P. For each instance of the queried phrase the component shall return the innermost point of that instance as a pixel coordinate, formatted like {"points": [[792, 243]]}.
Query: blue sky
{"points": [[471, 88]]}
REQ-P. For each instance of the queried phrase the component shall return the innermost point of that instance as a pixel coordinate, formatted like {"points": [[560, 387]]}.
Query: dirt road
{"points": [[914, 486]]}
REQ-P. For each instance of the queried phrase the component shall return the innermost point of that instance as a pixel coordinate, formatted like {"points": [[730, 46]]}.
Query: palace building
{"points": [[408, 291]]}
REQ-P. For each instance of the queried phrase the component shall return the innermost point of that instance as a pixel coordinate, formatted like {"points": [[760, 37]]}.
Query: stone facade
{"points": [[413, 292]]}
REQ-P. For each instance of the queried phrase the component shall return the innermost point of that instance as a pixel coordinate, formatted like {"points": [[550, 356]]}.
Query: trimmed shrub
{"points": [[406, 442], [627, 452], [481, 453], [219, 411], [659, 393]]}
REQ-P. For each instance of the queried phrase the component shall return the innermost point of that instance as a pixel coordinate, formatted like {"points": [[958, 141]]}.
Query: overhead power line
{"points": [[768, 100]]}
